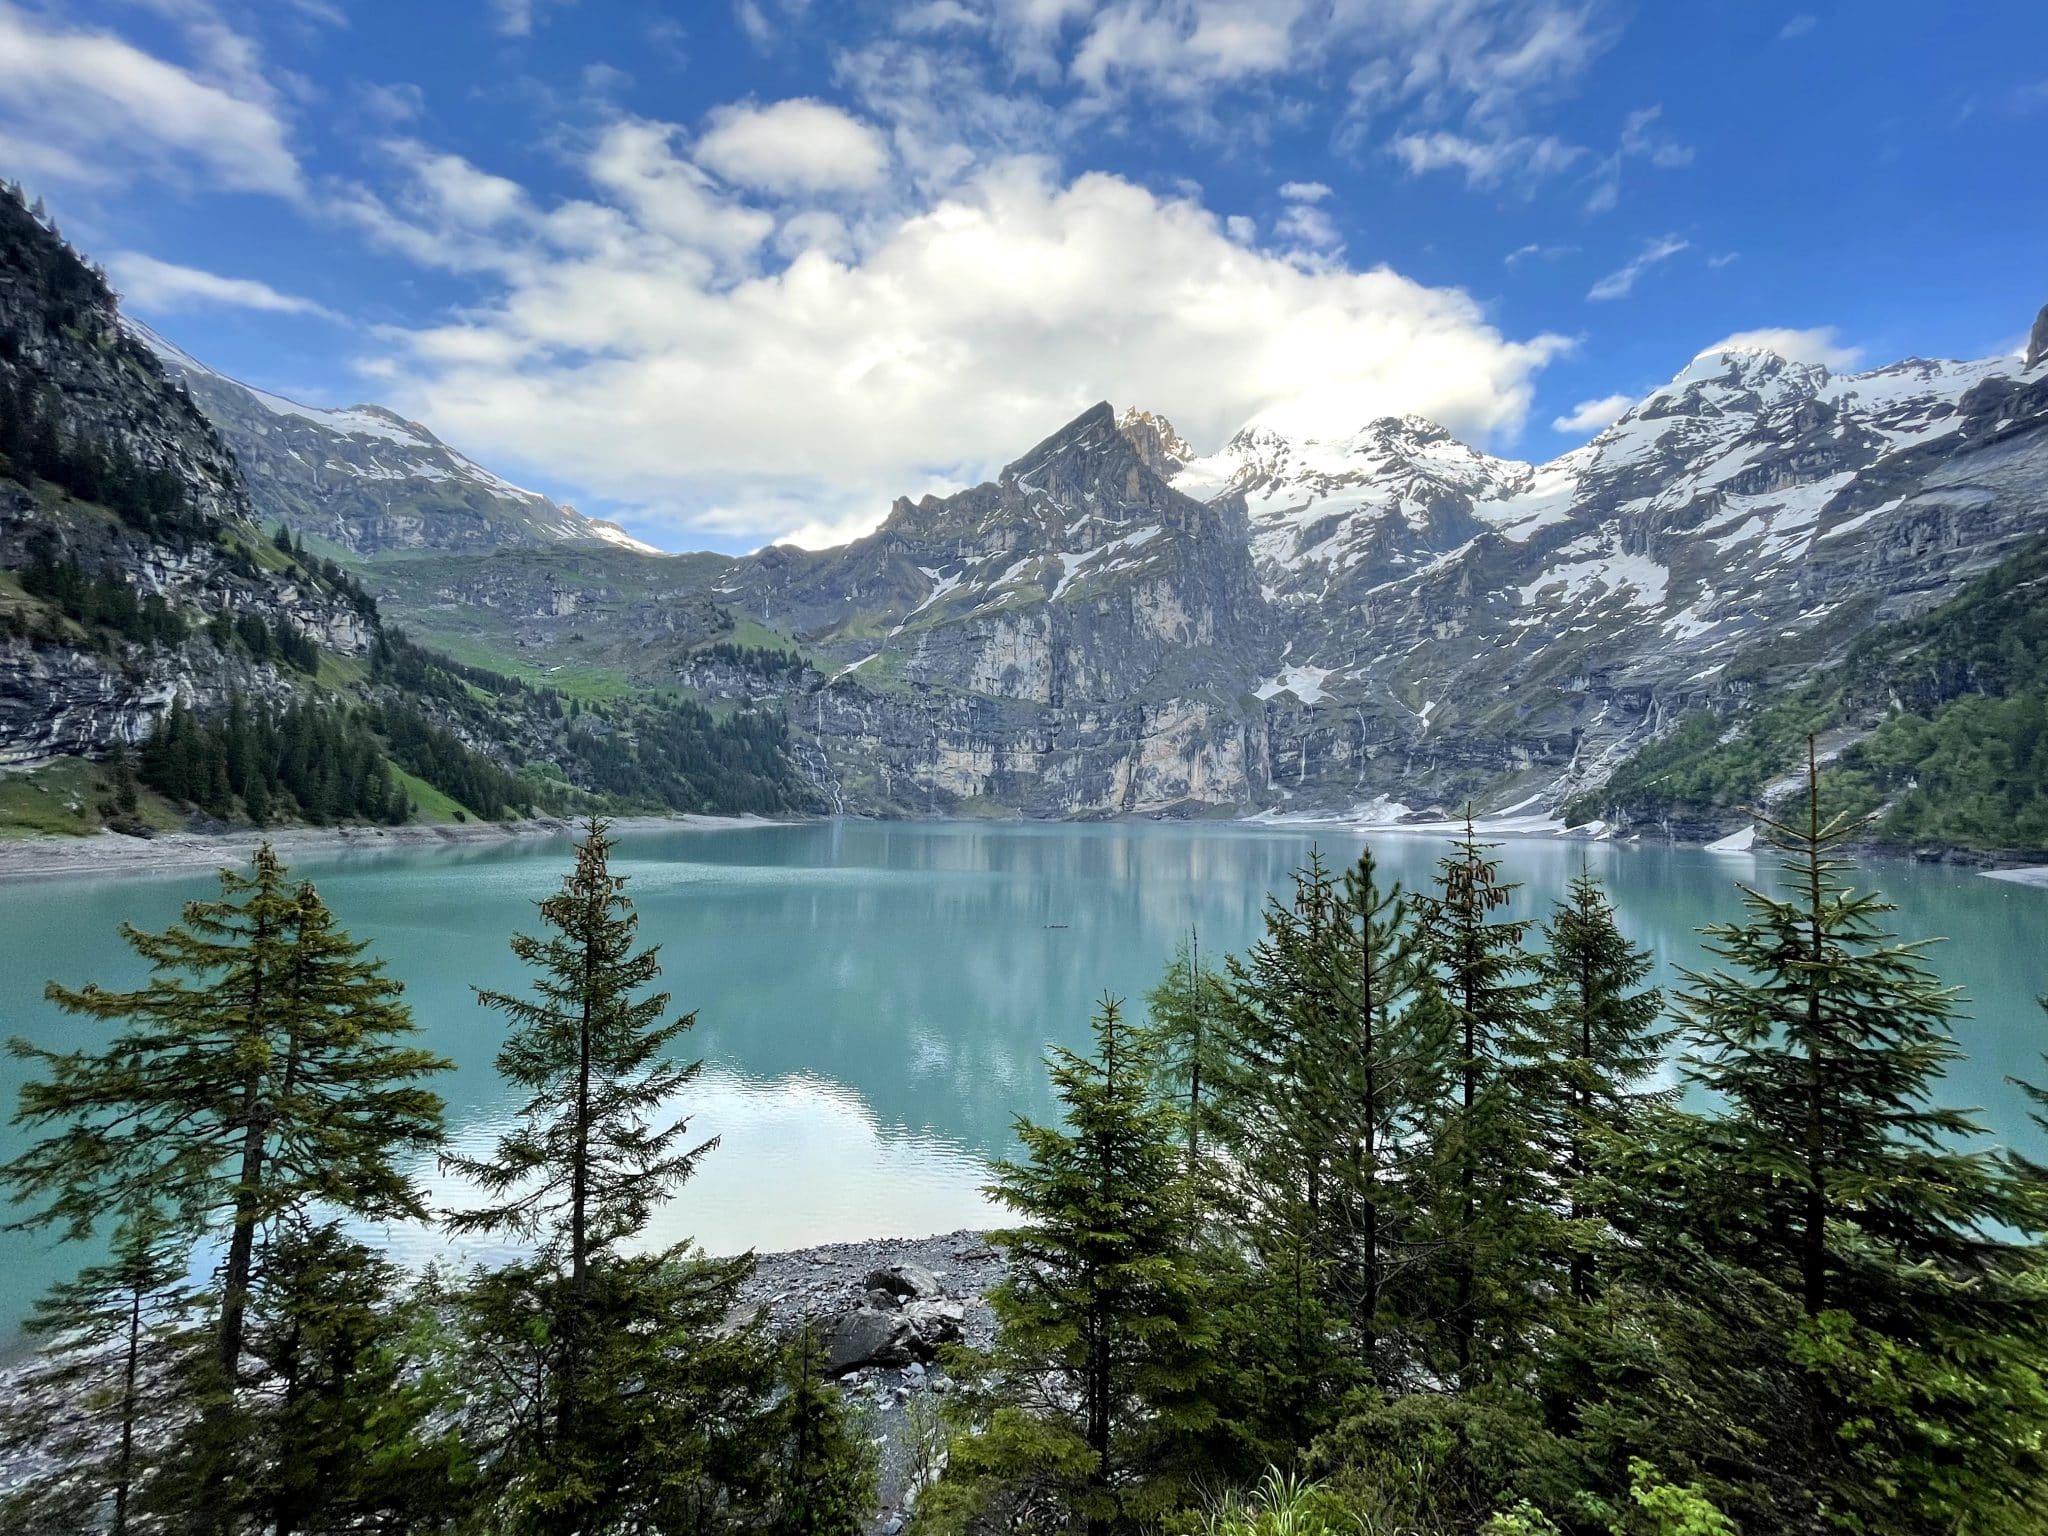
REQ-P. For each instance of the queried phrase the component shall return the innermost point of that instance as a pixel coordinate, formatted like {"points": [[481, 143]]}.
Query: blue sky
{"points": [[728, 271]]}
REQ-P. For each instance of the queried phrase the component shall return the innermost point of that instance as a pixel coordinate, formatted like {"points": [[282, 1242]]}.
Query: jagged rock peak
{"points": [[2037, 343], [1093, 429], [1164, 450]]}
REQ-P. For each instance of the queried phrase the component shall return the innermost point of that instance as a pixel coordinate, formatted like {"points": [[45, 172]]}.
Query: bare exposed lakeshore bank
{"points": [[112, 853]]}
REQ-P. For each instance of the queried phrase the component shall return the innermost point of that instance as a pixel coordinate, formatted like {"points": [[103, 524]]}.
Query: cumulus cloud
{"points": [[162, 287], [645, 346], [1620, 283], [107, 110], [1592, 415], [1816, 345], [1304, 191], [794, 146]]}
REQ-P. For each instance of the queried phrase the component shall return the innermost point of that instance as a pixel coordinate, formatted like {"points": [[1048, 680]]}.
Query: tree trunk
{"points": [[124, 1464], [1815, 1256]]}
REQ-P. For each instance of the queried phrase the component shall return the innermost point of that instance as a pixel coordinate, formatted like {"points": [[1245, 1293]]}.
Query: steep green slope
{"points": [[1938, 726]]}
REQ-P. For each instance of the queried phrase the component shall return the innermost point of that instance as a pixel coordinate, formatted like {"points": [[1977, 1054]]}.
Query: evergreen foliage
{"points": [[104, 598], [110, 1384], [628, 1404], [317, 762], [1097, 1390]]}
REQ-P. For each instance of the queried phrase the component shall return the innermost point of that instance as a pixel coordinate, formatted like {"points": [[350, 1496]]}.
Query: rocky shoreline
{"points": [[888, 1373], [111, 853], [881, 1338]]}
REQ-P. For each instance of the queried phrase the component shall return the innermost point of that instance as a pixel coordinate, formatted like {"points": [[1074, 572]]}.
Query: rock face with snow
{"points": [[1117, 624], [367, 479], [1070, 638]]}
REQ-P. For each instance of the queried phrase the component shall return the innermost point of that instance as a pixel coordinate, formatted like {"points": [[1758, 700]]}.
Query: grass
{"points": [[431, 807], [62, 798]]}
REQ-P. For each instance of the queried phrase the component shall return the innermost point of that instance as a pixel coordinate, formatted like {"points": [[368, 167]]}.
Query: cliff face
{"points": [[1069, 639], [94, 422], [1392, 619]]}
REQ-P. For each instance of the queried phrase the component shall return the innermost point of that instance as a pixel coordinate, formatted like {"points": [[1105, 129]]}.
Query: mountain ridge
{"points": [[365, 480]]}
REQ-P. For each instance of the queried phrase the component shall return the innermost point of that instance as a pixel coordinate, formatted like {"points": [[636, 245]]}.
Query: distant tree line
{"points": [[34, 443], [433, 753], [104, 597]]}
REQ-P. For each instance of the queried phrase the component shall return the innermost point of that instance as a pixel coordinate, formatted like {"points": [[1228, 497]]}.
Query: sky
{"points": [[731, 271]]}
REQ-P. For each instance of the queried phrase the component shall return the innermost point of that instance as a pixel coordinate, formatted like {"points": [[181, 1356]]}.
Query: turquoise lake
{"points": [[874, 999]]}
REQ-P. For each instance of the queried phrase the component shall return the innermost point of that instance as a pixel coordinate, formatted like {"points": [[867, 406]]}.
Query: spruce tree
{"points": [[1838, 1175], [1099, 1360], [353, 1430], [1283, 1143], [1187, 1037], [1485, 1139], [1592, 1050], [261, 1069], [109, 1385], [605, 1423], [824, 1473]]}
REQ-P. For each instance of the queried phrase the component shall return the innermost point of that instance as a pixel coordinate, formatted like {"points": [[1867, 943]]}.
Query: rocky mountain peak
{"points": [[1164, 450], [2037, 342], [1088, 433]]}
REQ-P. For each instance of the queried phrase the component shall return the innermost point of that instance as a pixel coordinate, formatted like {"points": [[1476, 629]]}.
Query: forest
{"points": [[1419, 1216]]}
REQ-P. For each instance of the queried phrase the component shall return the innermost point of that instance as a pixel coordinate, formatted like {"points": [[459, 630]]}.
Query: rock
{"points": [[936, 1322], [908, 1280], [868, 1336]]}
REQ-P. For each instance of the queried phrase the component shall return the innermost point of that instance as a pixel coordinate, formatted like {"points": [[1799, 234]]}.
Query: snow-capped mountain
{"points": [[366, 478], [1119, 623]]}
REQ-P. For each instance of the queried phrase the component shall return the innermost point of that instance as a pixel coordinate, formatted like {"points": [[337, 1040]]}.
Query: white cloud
{"points": [[1304, 191], [1485, 162], [1620, 283], [516, 18], [938, 16], [165, 288], [106, 108], [645, 349], [1798, 26], [794, 146], [1592, 415], [1816, 345], [1641, 139], [1536, 252]]}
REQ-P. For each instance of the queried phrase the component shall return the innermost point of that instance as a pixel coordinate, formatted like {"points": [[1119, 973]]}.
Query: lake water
{"points": [[874, 999]]}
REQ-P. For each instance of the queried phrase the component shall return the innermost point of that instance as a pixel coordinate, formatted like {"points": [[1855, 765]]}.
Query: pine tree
{"points": [[1591, 1052], [261, 1070], [1838, 1175], [108, 1387], [606, 1340], [824, 1471], [1101, 1336], [1484, 1138]]}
